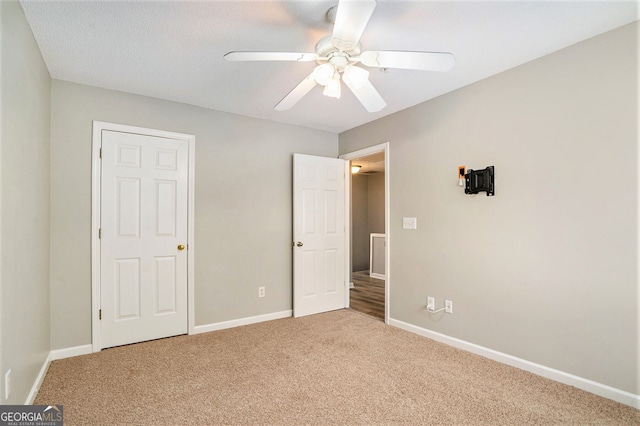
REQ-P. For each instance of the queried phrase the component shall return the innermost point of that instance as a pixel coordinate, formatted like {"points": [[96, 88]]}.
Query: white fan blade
{"points": [[425, 61], [297, 93], [351, 19], [368, 96], [271, 56]]}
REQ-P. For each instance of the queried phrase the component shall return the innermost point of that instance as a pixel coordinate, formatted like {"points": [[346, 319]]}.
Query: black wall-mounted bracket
{"points": [[480, 181]]}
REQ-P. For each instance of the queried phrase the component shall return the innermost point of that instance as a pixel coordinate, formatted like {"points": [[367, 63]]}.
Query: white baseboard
{"points": [[52, 356], [596, 388], [242, 321], [38, 382], [70, 352]]}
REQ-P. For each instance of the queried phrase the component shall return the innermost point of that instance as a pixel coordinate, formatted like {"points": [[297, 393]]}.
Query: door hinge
{"points": [[99, 233], [100, 314], [100, 152]]}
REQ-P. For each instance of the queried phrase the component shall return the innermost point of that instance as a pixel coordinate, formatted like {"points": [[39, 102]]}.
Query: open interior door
{"points": [[319, 270]]}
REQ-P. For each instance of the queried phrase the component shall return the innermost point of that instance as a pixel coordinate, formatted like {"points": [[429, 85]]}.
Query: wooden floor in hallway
{"points": [[367, 295]]}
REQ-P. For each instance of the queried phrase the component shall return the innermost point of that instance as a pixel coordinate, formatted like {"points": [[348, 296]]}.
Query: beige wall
{"points": [[24, 196], [545, 270], [359, 223], [367, 216], [242, 203], [376, 203]]}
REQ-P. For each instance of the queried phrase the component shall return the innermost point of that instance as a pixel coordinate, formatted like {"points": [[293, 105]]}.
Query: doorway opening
{"points": [[368, 208]]}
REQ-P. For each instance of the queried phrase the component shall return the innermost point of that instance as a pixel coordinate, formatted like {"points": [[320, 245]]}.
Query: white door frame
{"points": [[383, 147], [96, 173]]}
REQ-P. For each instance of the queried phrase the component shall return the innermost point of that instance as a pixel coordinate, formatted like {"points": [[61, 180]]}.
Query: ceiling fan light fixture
{"points": [[336, 53], [332, 89], [355, 169], [324, 73], [355, 76]]}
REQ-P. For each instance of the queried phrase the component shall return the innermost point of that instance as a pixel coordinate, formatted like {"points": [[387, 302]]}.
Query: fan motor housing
{"points": [[325, 48]]}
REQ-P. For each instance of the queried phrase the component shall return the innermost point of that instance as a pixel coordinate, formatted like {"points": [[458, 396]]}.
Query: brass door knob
{"points": [[299, 243], [180, 246]]}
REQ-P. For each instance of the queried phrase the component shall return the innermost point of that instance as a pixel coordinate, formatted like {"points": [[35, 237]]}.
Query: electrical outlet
{"points": [[448, 306], [7, 384], [431, 303], [409, 223], [260, 291]]}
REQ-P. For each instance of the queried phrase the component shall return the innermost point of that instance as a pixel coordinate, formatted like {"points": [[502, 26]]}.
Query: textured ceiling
{"points": [[174, 49]]}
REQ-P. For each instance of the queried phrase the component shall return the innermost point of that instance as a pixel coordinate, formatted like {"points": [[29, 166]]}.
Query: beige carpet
{"points": [[341, 367]]}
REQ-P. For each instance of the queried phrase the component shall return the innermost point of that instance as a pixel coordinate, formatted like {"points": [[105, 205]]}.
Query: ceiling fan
{"points": [[338, 53]]}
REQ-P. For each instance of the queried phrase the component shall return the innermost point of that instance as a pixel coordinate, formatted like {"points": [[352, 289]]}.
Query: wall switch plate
{"points": [[261, 291], [448, 306], [409, 223], [7, 384]]}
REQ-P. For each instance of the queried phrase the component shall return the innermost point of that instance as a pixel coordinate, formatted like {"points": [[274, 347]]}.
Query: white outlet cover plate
{"points": [[7, 384], [448, 306], [431, 303], [409, 223]]}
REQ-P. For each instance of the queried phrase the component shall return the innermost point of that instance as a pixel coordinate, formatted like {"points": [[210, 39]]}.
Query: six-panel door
{"points": [[319, 273], [143, 222]]}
